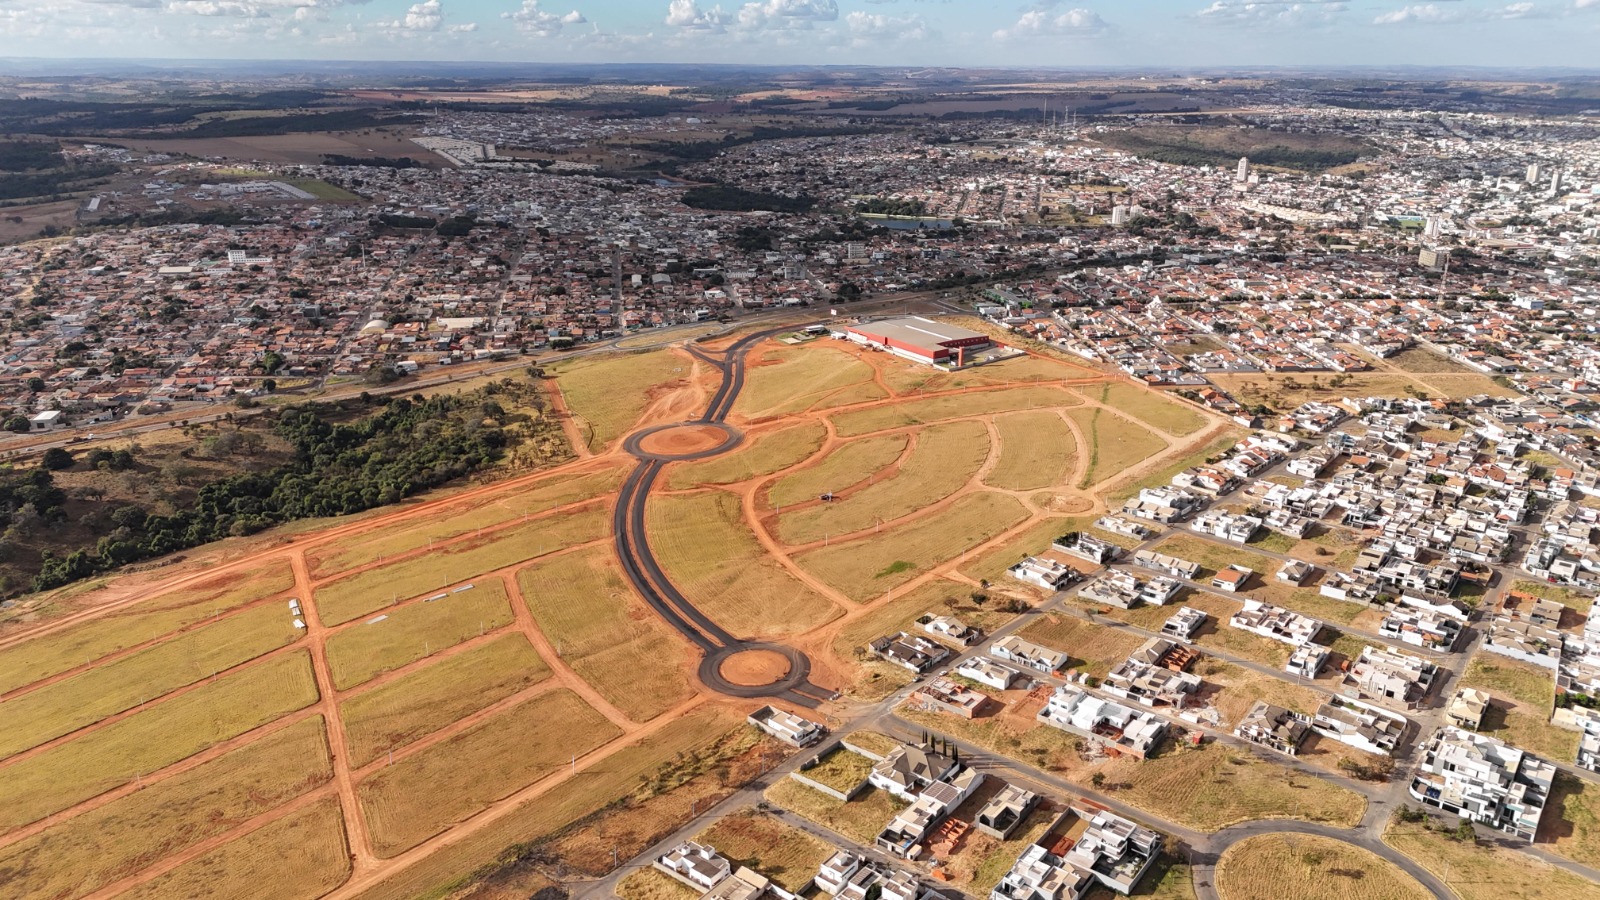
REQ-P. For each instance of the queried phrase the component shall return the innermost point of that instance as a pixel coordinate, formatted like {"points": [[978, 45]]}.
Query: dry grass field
{"points": [[406, 634], [848, 465], [942, 461], [867, 567], [1115, 444], [606, 633], [310, 843], [905, 377], [371, 590], [779, 851], [84, 854], [610, 393], [1037, 451], [926, 411], [650, 884], [117, 753], [593, 788], [83, 699], [421, 795], [1148, 406], [419, 703], [1094, 648], [991, 566], [707, 549], [1524, 695], [792, 379], [1426, 362], [1571, 825], [1310, 868], [411, 535], [859, 820], [1483, 871], [1284, 392], [1240, 688], [764, 455], [1212, 787], [77, 645]]}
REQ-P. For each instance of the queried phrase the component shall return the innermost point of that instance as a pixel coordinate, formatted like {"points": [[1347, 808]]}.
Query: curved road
{"points": [[632, 545], [1204, 862]]}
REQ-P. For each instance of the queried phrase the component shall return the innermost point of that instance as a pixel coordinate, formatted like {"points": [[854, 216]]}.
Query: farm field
{"points": [[419, 703], [846, 466], [942, 460], [1037, 451], [865, 567], [764, 455], [709, 551], [416, 797], [1310, 867], [372, 589], [409, 633], [606, 634]]}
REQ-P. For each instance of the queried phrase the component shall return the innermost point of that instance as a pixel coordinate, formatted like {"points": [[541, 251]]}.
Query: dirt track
{"points": [[672, 406]]}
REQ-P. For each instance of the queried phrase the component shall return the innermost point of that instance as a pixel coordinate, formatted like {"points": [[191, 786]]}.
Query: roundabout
{"points": [[683, 441], [748, 669]]}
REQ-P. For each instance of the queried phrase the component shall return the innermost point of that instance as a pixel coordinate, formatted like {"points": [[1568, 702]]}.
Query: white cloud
{"points": [[1272, 12], [530, 19], [425, 16], [1043, 21], [869, 28], [1434, 14], [688, 14]]}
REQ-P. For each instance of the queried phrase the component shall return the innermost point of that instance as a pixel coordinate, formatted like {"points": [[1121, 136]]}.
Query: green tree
{"points": [[55, 459]]}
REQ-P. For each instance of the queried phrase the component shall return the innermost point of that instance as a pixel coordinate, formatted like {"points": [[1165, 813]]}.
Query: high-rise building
{"points": [[1431, 232], [1119, 215], [1244, 170], [1555, 184], [1535, 173]]}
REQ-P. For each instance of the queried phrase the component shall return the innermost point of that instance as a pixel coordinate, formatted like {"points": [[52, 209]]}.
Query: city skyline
{"points": [[1066, 33]]}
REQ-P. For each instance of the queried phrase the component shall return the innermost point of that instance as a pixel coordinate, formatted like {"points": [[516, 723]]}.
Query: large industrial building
{"points": [[921, 340]]}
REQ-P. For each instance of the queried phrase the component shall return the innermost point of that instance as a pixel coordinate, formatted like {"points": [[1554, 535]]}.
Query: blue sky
{"points": [[890, 32]]}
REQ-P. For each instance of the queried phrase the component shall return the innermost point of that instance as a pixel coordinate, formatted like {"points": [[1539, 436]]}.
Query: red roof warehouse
{"points": [[923, 340]]}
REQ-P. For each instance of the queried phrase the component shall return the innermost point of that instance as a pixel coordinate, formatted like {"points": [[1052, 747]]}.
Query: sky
{"points": [[1067, 33]]}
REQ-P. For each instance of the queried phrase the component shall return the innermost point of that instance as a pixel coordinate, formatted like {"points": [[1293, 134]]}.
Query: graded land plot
{"points": [[76, 645], [1311, 868], [705, 546], [1148, 406], [93, 694], [1094, 649], [606, 633], [840, 769], [1037, 451], [85, 853], [609, 393], [372, 589], [1114, 444], [302, 856], [851, 396], [1214, 556], [991, 565], [928, 410], [871, 565], [115, 754], [765, 455], [1520, 712], [383, 643], [423, 794], [875, 679], [846, 465], [942, 460], [414, 533], [422, 702], [595, 787], [1211, 787], [779, 851], [1482, 870], [1571, 824], [860, 819], [906, 377], [790, 379]]}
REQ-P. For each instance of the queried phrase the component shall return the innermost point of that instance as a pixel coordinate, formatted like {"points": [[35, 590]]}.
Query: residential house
{"points": [[1028, 654], [1484, 780], [1274, 727], [1120, 729]]}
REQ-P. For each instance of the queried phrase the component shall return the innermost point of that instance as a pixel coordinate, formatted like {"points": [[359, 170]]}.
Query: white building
{"points": [[1117, 727], [1484, 780]]}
